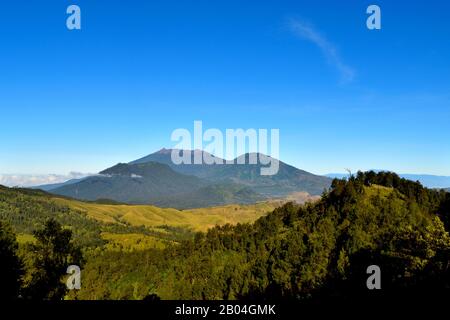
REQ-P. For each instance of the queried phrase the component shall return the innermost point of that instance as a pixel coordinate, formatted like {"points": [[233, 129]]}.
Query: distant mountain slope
{"points": [[214, 194], [427, 180], [288, 179], [139, 184], [157, 184], [156, 180], [52, 186], [198, 170]]}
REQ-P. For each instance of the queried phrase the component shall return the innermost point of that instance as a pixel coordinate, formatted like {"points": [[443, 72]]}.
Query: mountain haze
{"points": [[156, 180], [288, 179], [52, 186]]}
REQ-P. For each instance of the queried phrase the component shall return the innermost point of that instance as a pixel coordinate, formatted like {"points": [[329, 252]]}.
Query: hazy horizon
{"points": [[37, 179]]}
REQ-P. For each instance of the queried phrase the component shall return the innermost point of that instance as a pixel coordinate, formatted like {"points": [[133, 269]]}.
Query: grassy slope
{"points": [[122, 226], [151, 216]]}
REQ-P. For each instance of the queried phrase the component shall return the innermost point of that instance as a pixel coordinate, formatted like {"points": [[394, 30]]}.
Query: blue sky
{"points": [[342, 96]]}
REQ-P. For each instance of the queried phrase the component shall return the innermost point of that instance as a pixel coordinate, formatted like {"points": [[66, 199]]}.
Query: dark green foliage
{"points": [[10, 264], [444, 209], [50, 256]]}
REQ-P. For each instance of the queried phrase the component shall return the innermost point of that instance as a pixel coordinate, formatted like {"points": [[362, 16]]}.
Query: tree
{"points": [[10, 264], [52, 253]]}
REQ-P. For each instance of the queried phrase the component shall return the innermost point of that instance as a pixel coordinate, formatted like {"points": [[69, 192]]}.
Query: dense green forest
{"points": [[314, 251], [297, 252]]}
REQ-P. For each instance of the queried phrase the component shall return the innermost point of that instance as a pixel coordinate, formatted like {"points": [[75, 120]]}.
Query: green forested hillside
{"points": [[95, 224], [27, 210], [41, 235], [310, 252], [299, 252]]}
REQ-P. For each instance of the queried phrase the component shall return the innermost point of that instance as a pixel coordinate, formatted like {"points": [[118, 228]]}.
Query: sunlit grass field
{"points": [[151, 216]]}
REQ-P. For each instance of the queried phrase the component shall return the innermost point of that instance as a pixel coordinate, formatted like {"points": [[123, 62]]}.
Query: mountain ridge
{"points": [[287, 179], [155, 179]]}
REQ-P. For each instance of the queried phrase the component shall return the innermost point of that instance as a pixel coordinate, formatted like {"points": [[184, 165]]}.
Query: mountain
{"points": [[214, 194], [157, 184], [199, 170], [139, 184], [156, 180], [288, 179], [427, 180], [52, 186], [337, 175]]}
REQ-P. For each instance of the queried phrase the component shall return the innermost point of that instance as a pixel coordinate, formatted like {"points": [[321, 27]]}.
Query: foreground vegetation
{"points": [[309, 252], [297, 252]]}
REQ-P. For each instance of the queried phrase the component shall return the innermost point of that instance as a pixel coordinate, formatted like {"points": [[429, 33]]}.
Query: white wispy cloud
{"points": [[307, 32], [31, 180]]}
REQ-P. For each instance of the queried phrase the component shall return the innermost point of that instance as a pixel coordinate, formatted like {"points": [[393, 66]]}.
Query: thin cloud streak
{"points": [[30, 180], [329, 50]]}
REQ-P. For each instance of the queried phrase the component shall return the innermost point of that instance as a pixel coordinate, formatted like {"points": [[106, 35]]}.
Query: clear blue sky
{"points": [[341, 95]]}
